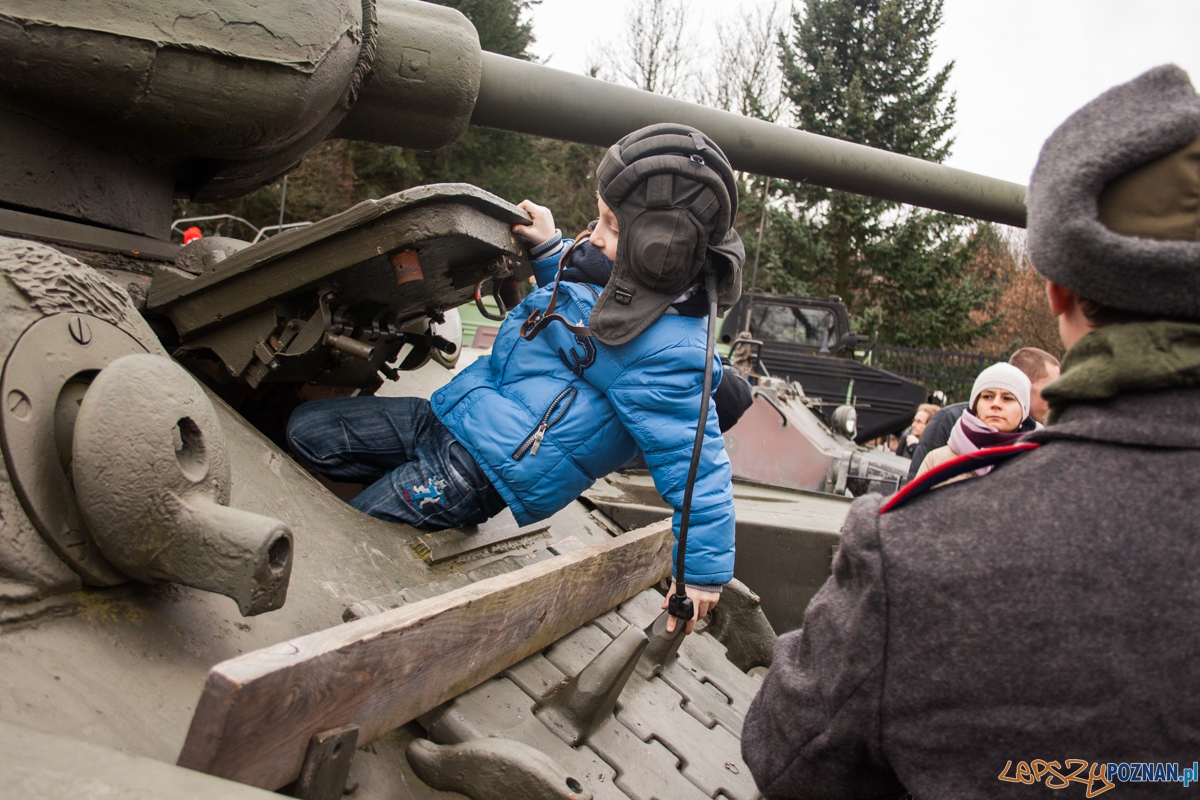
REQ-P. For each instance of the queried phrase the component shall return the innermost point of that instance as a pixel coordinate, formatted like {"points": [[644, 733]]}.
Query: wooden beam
{"points": [[258, 711]]}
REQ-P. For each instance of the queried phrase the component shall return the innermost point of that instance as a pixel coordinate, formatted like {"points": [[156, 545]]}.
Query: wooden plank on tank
{"points": [[258, 711]]}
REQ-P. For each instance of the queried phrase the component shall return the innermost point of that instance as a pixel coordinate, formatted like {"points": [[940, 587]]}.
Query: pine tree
{"points": [[859, 70]]}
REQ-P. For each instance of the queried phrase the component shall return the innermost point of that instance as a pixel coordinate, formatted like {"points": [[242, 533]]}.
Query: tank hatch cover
{"points": [[336, 301]]}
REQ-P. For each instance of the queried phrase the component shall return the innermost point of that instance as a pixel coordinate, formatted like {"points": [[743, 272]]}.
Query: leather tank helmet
{"points": [[675, 198]]}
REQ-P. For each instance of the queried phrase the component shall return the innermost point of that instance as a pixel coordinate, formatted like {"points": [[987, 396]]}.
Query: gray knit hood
{"points": [[1128, 126]]}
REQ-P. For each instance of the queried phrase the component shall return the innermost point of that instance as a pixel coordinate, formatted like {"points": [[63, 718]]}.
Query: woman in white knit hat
{"points": [[996, 416]]}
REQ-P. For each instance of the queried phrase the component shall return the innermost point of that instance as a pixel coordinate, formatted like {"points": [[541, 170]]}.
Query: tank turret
{"points": [[109, 109]]}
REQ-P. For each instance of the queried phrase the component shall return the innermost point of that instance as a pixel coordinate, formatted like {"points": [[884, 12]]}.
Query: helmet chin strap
{"points": [[537, 321], [679, 605]]}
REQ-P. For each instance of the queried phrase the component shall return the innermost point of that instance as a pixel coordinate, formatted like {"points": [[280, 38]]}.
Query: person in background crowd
{"points": [[997, 414], [912, 435], [1044, 616], [1038, 365], [1041, 368]]}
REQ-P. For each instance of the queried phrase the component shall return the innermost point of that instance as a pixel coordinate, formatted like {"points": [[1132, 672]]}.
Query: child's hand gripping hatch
{"points": [[540, 229]]}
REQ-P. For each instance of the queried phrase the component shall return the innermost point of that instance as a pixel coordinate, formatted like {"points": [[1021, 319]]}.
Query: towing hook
{"points": [[496, 284]]}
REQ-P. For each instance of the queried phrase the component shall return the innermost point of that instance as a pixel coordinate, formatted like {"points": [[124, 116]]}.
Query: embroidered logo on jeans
{"points": [[430, 493], [575, 362]]}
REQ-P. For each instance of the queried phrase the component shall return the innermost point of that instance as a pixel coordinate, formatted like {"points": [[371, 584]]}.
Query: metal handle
{"points": [[783, 423], [495, 296], [349, 345]]}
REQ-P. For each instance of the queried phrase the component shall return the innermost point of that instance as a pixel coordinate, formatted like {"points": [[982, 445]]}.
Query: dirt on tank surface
{"points": [[174, 588]]}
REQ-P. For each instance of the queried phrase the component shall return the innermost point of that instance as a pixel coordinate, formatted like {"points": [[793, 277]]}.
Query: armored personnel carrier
{"points": [[808, 340], [174, 589], [815, 405]]}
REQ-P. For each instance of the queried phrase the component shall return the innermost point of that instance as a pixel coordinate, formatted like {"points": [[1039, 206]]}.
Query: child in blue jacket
{"points": [[559, 404]]}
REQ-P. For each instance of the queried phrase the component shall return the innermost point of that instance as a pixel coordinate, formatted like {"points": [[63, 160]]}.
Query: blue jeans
{"points": [[417, 472]]}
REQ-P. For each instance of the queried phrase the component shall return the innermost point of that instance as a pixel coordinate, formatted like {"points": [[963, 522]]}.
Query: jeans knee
{"points": [[303, 432]]}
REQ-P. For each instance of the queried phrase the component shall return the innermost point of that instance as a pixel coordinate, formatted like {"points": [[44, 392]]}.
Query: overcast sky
{"points": [[1021, 66]]}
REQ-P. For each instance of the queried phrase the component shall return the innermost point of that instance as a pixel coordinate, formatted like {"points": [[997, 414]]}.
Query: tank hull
{"points": [[126, 666], [110, 109]]}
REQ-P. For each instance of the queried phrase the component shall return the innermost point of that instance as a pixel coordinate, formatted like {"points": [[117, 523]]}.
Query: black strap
{"points": [[537, 321]]}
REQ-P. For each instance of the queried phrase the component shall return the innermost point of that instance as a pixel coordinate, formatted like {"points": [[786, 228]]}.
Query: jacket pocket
{"points": [[554, 414]]}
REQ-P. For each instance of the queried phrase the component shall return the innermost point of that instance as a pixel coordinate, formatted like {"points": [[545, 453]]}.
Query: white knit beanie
{"points": [[1006, 377]]}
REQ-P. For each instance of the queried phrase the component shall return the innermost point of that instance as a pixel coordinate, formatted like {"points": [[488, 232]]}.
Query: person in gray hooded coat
{"points": [[1038, 625]]}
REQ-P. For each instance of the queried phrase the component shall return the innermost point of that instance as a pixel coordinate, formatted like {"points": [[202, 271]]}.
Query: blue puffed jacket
{"points": [[546, 418]]}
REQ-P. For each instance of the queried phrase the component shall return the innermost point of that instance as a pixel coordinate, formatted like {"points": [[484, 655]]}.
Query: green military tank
{"points": [[184, 611]]}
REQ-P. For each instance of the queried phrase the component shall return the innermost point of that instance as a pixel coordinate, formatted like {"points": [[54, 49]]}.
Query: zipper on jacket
{"points": [[554, 414]]}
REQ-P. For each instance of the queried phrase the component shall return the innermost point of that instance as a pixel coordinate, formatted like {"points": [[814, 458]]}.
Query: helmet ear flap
{"points": [[675, 198], [666, 249]]}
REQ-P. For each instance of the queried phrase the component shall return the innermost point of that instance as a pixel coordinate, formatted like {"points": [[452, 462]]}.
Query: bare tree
{"points": [[655, 52], [745, 77], [1024, 318]]}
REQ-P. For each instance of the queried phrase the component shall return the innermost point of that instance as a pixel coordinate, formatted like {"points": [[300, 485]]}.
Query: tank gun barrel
{"points": [[521, 96]]}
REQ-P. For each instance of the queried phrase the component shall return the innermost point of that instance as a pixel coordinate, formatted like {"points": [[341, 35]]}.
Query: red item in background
{"points": [[192, 234]]}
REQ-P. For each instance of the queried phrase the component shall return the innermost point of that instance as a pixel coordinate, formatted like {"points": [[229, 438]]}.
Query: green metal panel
{"points": [[472, 320]]}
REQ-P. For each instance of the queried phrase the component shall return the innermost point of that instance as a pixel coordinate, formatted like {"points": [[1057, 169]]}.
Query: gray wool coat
{"points": [[1049, 610]]}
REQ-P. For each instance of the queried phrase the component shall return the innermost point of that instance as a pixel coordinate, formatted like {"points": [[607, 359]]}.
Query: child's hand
{"points": [[702, 603], [542, 227]]}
